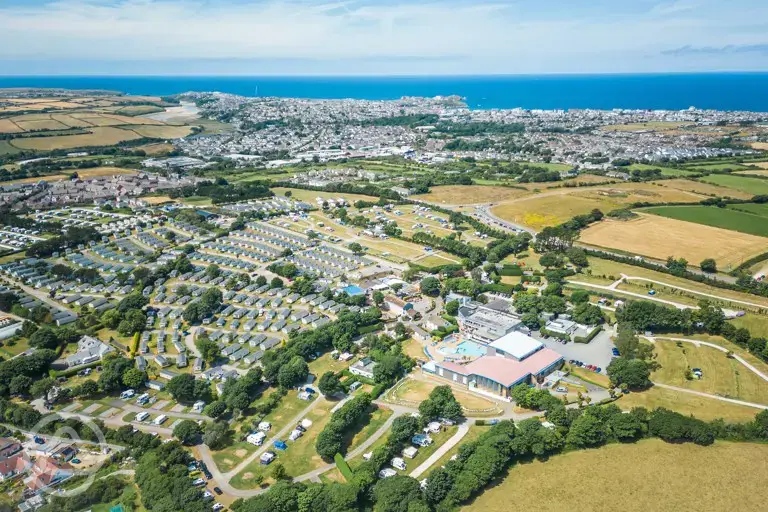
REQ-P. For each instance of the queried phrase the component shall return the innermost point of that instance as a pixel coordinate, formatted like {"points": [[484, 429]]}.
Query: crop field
{"points": [[546, 210], [661, 476], [760, 145], [659, 237], [665, 171], [763, 172], [469, 194], [725, 218], [753, 208], [159, 148], [752, 186], [162, 132], [721, 376], [707, 189], [717, 167], [102, 136]]}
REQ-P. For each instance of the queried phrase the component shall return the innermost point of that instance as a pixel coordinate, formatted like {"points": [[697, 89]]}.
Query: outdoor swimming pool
{"points": [[465, 348]]}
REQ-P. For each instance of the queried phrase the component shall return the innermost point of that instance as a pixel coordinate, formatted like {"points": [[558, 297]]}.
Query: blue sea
{"points": [[721, 91]]}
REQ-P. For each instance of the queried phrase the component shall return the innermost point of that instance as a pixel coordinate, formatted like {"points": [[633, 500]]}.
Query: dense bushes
{"points": [[330, 440]]}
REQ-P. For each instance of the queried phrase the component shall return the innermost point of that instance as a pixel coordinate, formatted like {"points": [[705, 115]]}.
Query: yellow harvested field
{"points": [[760, 145], [163, 131], [702, 407], [155, 149], [628, 193], [706, 189], [41, 124], [654, 475], [653, 125], [545, 210], [469, 194], [435, 260], [104, 171], [153, 200], [71, 121], [754, 173], [133, 120], [101, 136], [659, 237], [8, 126]]}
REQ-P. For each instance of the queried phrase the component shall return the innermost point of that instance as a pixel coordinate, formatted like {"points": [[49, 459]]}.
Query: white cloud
{"points": [[490, 35]]}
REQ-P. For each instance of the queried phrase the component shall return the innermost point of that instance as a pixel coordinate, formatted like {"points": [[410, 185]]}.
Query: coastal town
{"points": [[362, 302]]}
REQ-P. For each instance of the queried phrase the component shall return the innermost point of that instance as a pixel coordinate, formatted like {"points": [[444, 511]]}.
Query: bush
{"points": [[343, 467], [589, 337]]}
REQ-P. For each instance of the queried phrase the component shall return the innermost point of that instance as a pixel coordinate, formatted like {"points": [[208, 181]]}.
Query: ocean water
{"points": [[721, 91]]}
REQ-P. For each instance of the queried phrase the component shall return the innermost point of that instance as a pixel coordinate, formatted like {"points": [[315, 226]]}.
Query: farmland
{"points": [[753, 186], [102, 136], [661, 475], [725, 218], [707, 189], [474, 194], [665, 171], [659, 237]]}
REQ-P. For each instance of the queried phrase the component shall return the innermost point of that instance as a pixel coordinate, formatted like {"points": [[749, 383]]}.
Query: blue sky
{"points": [[360, 37]]}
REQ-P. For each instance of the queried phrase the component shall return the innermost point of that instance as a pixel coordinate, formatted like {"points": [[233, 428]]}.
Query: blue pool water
{"points": [[465, 348]]}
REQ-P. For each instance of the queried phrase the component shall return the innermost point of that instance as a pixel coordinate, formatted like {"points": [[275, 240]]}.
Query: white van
{"points": [[398, 463], [128, 393], [160, 419], [142, 416]]}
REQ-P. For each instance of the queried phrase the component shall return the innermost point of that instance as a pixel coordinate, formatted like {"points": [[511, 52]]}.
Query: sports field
{"points": [[753, 186], [659, 237], [721, 376], [469, 194], [726, 218], [648, 475]]}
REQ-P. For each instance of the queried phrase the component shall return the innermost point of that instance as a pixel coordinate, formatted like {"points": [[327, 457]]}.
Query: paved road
{"points": [[442, 450], [612, 288], [735, 301], [135, 408]]}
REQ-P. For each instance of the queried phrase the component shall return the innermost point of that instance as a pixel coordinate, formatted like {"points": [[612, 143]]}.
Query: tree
{"points": [[430, 286], [394, 494], [276, 283], [215, 409], [44, 338], [278, 471], [388, 369], [531, 320], [586, 430], [187, 432], [550, 260], [452, 307], [185, 388], [634, 373], [356, 248], [134, 301], [329, 384], [577, 256], [216, 434], [209, 350], [439, 484], [378, 298], [20, 385], [626, 427], [133, 322], [588, 314], [111, 378], [86, 389], [579, 296], [41, 387], [293, 373], [134, 378], [709, 265], [111, 318], [626, 341], [403, 429]]}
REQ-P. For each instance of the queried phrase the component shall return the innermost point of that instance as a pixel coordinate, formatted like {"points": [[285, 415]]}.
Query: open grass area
{"points": [[545, 210], [290, 406], [325, 363], [434, 260], [228, 458], [760, 210], [310, 195], [704, 408], [707, 189], [378, 417], [197, 201], [756, 324], [413, 348], [762, 172], [721, 376], [753, 186], [660, 237], [725, 218], [469, 194], [425, 452], [648, 475], [12, 348], [665, 171], [656, 126], [415, 391], [301, 456], [162, 132]]}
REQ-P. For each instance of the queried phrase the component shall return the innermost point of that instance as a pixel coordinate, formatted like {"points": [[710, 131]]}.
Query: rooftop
{"points": [[517, 345]]}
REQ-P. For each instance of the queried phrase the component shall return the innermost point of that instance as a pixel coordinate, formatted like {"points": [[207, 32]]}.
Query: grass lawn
{"points": [[290, 406], [246, 479], [434, 260], [413, 348], [228, 458], [754, 186], [648, 475], [753, 208], [756, 324], [704, 408], [416, 391], [598, 379], [326, 364], [475, 431], [426, 451], [13, 348], [725, 218], [469, 194], [722, 376], [665, 171], [197, 201], [377, 419], [301, 457]]}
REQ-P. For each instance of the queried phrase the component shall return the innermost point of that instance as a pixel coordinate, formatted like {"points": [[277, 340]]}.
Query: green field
{"points": [[755, 186], [717, 167], [753, 208], [716, 217], [665, 171]]}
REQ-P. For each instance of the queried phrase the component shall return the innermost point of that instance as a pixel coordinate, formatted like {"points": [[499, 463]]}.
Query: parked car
{"points": [[218, 491]]}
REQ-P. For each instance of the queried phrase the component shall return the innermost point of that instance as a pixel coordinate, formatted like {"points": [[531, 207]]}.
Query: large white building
{"points": [[484, 325]]}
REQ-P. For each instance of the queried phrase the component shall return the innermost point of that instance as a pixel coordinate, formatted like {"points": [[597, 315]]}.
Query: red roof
{"points": [[508, 372]]}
